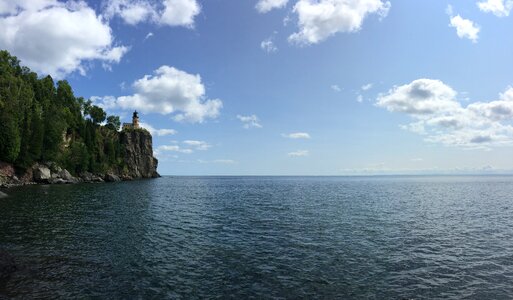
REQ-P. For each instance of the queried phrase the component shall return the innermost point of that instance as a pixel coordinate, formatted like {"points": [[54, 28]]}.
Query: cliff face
{"points": [[139, 159]]}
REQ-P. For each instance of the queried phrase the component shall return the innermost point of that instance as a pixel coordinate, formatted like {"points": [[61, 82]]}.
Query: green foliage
{"points": [[41, 121], [113, 122], [97, 114], [9, 139]]}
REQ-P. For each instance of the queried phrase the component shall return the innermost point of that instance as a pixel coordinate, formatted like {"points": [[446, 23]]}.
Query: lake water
{"points": [[263, 237]]}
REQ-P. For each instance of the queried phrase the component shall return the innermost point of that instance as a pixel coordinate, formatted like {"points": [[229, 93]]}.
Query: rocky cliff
{"points": [[139, 159], [138, 163]]}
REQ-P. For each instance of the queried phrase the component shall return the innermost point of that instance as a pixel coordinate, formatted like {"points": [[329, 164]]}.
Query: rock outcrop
{"points": [[111, 178], [139, 159], [41, 173], [138, 163]]}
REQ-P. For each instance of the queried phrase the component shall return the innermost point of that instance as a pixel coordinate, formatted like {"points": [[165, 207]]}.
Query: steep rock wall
{"points": [[139, 159]]}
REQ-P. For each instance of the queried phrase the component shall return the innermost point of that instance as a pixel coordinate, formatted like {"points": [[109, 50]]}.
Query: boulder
{"points": [[86, 177], [126, 178], [57, 181], [3, 195], [111, 178], [64, 174], [7, 266], [41, 174], [96, 178]]}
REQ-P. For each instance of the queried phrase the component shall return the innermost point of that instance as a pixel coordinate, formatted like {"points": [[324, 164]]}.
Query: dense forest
{"points": [[41, 121]]}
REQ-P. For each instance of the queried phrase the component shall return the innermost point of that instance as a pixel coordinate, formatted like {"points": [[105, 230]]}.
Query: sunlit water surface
{"points": [[263, 237]]}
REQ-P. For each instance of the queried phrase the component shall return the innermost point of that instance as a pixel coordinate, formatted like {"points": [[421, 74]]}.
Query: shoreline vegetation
{"points": [[49, 136]]}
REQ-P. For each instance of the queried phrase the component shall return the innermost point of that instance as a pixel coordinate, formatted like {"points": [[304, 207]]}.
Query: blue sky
{"points": [[298, 87]]}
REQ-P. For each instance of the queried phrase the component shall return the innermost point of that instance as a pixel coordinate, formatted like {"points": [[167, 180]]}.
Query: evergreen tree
{"points": [[41, 121]]}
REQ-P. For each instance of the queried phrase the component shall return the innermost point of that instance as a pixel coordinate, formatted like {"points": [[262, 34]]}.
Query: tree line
{"points": [[41, 121]]}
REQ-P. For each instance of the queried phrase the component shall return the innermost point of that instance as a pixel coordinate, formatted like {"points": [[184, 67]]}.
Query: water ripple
{"points": [[263, 237]]}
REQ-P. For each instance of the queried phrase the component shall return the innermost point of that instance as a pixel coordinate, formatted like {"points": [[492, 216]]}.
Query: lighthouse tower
{"points": [[135, 120]]}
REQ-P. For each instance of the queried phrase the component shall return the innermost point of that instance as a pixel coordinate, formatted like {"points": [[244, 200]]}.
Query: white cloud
{"points": [[318, 20], [149, 35], [420, 97], [173, 148], [299, 153], [132, 12], [164, 12], [264, 6], [250, 121], [158, 132], [465, 28], [14, 6], [224, 161], [336, 88], [440, 118], [268, 45], [169, 91], [190, 147], [106, 102], [449, 10], [56, 38], [180, 12], [197, 145], [217, 161], [359, 98], [500, 8], [367, 87], [297, 135]]}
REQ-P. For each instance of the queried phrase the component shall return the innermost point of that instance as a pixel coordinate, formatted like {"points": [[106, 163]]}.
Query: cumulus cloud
{"points": [[318, 20], [106, 102], [420, 97], [440, 118], [264, 6], [158, 132], [268, 45], [500, 8], [57, 38], [297, 135], [250, 121], [180, 12], [166, 12], [130, 11], [465, 29], [168, 91], [298, 153], [14, 6]]}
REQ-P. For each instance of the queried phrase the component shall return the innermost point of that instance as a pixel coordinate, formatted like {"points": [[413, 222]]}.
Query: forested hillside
{"points": [[42, 121]]}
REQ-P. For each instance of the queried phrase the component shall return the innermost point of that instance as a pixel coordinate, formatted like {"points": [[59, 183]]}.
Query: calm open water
{"points": [[263, 237]]}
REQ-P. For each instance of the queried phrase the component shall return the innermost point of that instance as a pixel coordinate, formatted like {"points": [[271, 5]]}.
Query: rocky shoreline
{"points": [[138, 163], [51, 173]]}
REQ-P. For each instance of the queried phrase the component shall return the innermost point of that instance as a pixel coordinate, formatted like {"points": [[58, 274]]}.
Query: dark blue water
{"points": [[263, 237]]}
